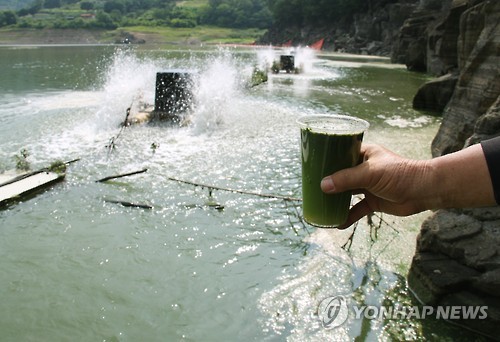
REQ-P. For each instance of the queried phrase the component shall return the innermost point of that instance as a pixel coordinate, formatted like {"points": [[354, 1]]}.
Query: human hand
{"points": [[390, 184]]}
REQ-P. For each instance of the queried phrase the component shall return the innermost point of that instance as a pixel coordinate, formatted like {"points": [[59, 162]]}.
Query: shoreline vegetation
{"points": [[194, 23], [191, 22], [167, 21], [139, 34]]}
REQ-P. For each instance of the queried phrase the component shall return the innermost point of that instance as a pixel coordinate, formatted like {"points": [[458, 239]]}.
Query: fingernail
{"points": [[327, 185]]}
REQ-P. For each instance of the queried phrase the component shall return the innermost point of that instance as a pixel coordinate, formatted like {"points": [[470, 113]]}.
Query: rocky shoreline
{"points": [[457, 258], [370, 33]]}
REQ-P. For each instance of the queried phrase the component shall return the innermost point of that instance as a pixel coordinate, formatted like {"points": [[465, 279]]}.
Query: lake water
{"points": [[76, 267]]}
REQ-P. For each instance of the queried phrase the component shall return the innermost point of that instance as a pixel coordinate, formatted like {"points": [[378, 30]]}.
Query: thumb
{"points": [[347, 179]]}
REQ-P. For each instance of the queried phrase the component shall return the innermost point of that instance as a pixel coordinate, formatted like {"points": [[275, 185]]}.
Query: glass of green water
{"points": [[329, 143]]}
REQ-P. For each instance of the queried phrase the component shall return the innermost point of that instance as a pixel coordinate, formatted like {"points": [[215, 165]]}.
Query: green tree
{"points": [[237, 13], [52, 3], [223, 15], [35, 7], [114, 5], [161, 13], [8, 18], [314, 12], [116, 16], [287, 12], [103, 20], [86, 5]]}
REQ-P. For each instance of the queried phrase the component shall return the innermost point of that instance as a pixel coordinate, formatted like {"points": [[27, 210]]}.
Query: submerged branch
{"points": [[285, 198]]}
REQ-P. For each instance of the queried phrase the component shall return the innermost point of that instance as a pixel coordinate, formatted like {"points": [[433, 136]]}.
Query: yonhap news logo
{"points": [[335, 310]]}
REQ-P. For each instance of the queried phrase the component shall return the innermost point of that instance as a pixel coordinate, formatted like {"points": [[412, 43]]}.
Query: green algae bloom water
{"points": [[329, 143]]}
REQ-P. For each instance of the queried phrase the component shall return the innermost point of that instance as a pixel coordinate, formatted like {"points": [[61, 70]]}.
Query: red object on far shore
{"points": [[318, 45]]}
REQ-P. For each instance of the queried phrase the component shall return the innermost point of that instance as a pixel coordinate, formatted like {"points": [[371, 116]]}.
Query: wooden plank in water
{"points": [[28, 184]]}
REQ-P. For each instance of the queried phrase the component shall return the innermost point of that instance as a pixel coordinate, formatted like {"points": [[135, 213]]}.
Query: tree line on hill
{"points": [[300, 13], [110, 14]]}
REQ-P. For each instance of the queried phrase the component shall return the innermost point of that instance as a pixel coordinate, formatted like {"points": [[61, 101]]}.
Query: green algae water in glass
{"points": [[329, 143]]}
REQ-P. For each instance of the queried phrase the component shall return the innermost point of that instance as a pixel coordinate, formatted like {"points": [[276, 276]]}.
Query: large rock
{"points": [[414, 38], [478, 86], [434, 95], [411, 45], [466, 239], [457, 261], [488, 125], [442, 38], [429, 39]]}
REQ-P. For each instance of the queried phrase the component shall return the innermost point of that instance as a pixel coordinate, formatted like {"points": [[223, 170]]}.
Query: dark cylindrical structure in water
{"points": [[287, 63], [173, 94]]}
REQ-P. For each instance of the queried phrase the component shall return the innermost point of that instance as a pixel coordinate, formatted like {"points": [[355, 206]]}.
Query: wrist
{"points": [[435, 184], [460, 180], [425, 187]]}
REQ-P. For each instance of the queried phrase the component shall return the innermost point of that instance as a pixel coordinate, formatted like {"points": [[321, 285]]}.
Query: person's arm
{"points": [[402, 187], [462, 180]]}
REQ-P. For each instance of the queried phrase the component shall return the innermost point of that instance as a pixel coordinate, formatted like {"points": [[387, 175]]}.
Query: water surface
{"points": [[75, 267]]}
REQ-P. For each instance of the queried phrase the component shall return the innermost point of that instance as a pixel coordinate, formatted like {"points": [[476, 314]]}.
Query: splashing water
{"points": [[89, 118], [218, 88], [265, 58], [219, 85], [127, 80], [217, 94], [304, 58]]}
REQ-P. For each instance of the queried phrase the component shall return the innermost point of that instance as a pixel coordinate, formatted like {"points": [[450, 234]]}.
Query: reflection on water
{"points": [[77, 267]]}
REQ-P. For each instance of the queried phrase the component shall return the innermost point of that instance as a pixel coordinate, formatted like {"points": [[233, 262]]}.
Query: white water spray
{"points": [[128, 80], [217, 94]]}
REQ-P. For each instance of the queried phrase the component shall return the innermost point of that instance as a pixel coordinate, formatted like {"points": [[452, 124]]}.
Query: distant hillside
{"points": [[111, 14], [14, 4]]}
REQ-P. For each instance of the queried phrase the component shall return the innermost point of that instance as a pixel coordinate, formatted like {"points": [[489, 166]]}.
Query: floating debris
{"points": [[26, 183], [121, 175], [15, 184], [212, 187], [129, 204]]}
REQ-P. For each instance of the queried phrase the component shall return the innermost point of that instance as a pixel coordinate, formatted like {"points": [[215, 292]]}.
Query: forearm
{"points": [[400, 186], [460, 180]]}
